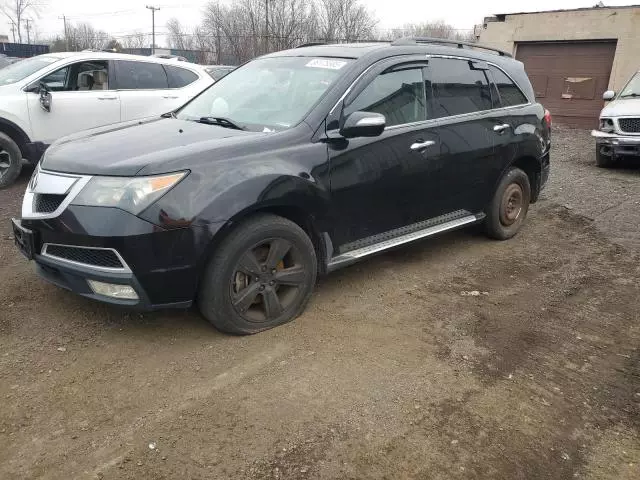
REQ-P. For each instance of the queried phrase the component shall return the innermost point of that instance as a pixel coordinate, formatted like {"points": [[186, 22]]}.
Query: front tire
{"points": [[259, 277], [509, 205], [10, 161], [604, 161]]}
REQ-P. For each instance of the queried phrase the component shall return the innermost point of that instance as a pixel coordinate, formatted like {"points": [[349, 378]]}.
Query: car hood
{"points": [[125, 149], [622, 107]]}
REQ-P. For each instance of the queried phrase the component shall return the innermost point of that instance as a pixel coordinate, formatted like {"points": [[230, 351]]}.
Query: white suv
{"points": [[49, 96]]}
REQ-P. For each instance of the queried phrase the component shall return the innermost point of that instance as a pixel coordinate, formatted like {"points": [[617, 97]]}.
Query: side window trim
{"points": [[435, 55], [70, 66], [392, 65], [495, 86], [165, 67]]}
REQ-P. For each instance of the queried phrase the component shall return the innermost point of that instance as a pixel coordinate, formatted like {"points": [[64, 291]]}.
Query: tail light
{"points": [[547, 118]]}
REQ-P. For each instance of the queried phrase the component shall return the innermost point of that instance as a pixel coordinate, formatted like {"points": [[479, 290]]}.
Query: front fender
{"points": [[224, 193]]}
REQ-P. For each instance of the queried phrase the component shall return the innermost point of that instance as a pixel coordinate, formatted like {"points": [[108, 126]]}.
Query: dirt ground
{"points": [[393, 372]]}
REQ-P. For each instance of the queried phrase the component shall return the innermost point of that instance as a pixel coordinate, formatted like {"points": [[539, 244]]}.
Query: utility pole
{"points": [[153, 27], [66, 33], [266, 30], [28, 38]]}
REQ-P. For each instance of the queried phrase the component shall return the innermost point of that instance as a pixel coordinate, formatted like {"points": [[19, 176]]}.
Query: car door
{"points": [[143, 88], [81, 98], [384, 183], [459, 101]]}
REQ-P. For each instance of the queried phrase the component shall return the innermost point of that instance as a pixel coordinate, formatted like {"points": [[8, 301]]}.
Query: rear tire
{"points": [[259, 277], [509, 205], [10, 161], [604, 161]]}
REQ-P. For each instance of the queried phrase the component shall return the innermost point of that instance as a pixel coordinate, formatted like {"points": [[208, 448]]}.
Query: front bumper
{"points": [[613, 144], [162, 266]]}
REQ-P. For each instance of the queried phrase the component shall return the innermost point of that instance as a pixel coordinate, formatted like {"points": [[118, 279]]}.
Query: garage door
{"points": [[569, 78]]}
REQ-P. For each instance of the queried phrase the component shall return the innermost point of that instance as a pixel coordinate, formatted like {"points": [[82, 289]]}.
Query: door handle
{"points": [[108, 98], [501, 128], [420, 145]]}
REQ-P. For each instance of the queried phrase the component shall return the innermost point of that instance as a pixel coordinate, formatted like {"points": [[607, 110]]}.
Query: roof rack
{"points": [[311, 44], [444, 41]]}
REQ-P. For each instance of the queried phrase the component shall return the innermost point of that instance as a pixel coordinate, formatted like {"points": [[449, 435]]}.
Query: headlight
{"points": [[132, 194], [606, 125]]}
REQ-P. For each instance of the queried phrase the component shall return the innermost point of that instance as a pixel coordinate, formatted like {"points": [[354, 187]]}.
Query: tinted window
{"points": [[179, 77], [510, 94], [140, 75], [456, 87], [398, 95]]}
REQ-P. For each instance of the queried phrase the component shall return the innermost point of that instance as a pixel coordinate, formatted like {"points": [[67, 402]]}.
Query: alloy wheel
{"points": [[267, 280]]}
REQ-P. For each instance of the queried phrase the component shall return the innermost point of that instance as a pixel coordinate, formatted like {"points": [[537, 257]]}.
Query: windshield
{"points": [[22, 69], [267, 94], [632, 89]]}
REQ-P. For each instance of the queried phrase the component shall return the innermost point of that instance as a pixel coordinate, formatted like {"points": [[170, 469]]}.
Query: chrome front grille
{"points": [[49, 193], [47, 202], [629, 125], [95, 257]]}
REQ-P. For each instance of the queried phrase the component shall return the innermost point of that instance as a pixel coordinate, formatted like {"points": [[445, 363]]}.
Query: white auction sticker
{"points": [[326, 63]]}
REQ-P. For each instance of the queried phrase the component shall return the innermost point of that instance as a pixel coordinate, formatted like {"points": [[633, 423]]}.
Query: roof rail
{"points": [[444, 41], [311, 44]]}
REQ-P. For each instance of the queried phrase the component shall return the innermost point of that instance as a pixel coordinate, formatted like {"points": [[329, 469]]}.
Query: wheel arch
{"points": [[16, 133], [532, 167]]}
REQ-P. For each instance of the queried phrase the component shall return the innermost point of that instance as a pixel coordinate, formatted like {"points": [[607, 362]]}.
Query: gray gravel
{"points": [[614, 199]]}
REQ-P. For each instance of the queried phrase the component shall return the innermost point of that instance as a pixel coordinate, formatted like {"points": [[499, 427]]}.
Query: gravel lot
{"points": [[393, 372]]}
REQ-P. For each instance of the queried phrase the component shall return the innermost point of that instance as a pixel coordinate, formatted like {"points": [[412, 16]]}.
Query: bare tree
{"points": [[136, 40], [345, 21], [435, 29], [83, 36], [243, 29], [15, 11], [178, 37]]}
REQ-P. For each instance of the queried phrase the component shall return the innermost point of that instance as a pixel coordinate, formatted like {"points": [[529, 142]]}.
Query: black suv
{"points": [[297, 163]]}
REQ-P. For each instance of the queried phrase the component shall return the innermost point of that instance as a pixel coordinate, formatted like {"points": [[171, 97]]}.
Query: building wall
{"points": [[620, 23]]}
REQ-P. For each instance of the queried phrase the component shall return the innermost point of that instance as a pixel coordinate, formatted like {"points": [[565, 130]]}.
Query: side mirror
{"points": [[608, 95], [45, 97], [363, 124]]}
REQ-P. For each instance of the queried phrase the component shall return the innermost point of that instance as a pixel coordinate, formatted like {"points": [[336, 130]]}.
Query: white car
{"points": [[619, 131], [50, 96]]}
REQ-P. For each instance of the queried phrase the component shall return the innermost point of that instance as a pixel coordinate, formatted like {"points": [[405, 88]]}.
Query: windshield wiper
{"points": [[221, 121], [626, 95], [169, 115]]}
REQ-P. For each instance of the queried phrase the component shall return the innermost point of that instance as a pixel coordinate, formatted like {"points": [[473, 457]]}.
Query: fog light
{"points": [[113, 290]]}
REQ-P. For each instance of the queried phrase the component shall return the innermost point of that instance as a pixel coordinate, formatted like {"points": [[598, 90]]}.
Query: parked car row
{"points": [[295, 164]]}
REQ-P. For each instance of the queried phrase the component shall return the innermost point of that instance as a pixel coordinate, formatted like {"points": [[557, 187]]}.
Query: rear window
{"points": [[179, 77], [509, 92], [140, 76], [456, 87]]}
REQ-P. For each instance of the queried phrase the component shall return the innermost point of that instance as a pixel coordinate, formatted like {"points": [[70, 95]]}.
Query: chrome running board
{"points": [[352, 256]]}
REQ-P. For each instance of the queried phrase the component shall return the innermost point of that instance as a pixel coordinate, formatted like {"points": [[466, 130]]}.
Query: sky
{"points": [[122, 17]]}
